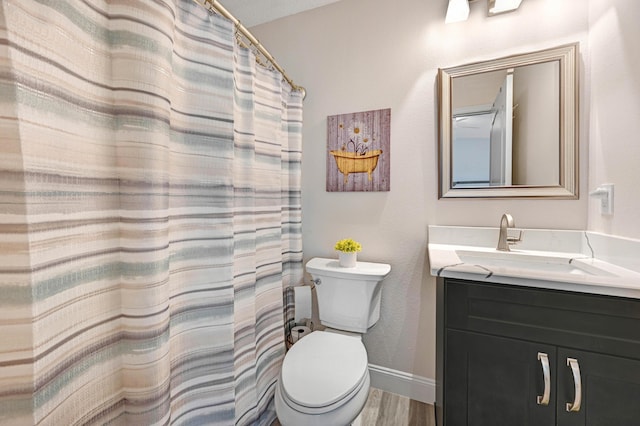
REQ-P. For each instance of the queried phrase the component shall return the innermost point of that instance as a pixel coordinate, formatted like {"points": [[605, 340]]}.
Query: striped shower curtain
{"points": [[149, 216]]}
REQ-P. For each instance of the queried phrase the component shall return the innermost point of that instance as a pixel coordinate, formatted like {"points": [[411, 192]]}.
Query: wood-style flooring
{"points": [[388, 409]]}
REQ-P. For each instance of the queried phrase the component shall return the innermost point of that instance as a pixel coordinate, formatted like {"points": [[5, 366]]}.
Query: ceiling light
{"points": [[457, 11], [502, 6]]}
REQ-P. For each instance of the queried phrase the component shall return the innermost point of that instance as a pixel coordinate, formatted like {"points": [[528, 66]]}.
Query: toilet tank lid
{"points": [[362, 270]]}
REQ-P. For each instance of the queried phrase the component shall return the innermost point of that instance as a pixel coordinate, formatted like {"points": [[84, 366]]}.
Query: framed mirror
{"points": [[508, 127]]}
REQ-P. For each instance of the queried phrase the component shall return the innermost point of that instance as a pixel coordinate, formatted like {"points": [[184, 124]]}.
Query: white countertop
{"points": [[579, 261]]}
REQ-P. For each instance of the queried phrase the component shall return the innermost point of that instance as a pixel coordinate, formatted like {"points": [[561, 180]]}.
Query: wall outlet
{"points": [[605, 193]]}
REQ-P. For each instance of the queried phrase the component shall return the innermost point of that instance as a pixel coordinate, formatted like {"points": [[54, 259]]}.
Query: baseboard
{"points": [[410, 385]]}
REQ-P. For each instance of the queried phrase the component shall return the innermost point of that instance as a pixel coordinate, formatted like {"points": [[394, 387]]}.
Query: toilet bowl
{"points": [[324, 381]]}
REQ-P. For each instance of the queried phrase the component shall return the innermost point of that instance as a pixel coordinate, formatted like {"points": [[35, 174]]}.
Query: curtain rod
{"points": [[215, 6]]}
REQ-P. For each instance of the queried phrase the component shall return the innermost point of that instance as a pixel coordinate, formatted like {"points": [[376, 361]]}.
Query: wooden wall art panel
{"points": [[358, 154]]}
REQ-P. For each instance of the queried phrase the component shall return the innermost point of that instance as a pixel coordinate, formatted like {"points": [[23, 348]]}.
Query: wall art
{"points": [[358, 154]]}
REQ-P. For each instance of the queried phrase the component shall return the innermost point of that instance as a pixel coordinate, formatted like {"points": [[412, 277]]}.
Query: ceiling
{"points": [[255, 12]]}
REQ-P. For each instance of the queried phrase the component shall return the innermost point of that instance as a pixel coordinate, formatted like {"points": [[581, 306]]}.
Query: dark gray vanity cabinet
{"points": [[522, 356]]}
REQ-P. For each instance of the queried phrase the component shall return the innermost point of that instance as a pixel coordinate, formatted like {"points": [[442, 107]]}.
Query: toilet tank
{"points": [[348, 298]]}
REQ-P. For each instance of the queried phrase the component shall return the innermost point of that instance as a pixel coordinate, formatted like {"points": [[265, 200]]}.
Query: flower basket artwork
{"points": [[347, 252], [358, 151]]}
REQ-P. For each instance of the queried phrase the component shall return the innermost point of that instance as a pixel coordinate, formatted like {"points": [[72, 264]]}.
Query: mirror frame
{"points": [[567, 188]]}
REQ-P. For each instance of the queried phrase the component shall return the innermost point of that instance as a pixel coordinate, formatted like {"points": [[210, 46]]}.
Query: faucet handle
{"points": [[512, 239]]}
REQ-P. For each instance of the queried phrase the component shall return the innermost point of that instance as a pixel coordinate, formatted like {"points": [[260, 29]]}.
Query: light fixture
{"points": [[458, 10], [502, 6]]}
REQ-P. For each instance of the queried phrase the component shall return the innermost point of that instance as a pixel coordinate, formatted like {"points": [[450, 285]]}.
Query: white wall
{"points": [[614, 154], [536, 91], [357, 55]]}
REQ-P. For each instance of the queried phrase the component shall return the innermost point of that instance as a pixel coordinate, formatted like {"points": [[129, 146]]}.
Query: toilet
{"points": [[324, 379]]}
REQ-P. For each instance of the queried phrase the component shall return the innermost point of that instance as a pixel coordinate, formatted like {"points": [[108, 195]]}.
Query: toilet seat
{"points": [[323, 371], [344, 413]]}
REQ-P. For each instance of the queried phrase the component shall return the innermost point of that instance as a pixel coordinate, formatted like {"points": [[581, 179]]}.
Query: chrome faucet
{"points": [[504, 241]]}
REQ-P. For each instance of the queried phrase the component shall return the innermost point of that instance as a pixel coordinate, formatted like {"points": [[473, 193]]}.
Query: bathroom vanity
{"points": [[539, 341], [511, 355]]}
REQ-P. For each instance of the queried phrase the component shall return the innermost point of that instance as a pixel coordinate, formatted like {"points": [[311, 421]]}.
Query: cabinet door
{"points": [[610, 390], [494, 381]]}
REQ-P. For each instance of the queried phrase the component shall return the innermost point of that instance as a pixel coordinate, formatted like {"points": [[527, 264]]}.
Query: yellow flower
{"points": [[348, 246]]}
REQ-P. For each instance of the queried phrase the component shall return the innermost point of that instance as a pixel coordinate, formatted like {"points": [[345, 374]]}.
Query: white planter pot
{"points": [[347, 260]]}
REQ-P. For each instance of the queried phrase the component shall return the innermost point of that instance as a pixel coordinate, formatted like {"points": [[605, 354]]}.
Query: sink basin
{"points": [[567, 260], [565, 263]]}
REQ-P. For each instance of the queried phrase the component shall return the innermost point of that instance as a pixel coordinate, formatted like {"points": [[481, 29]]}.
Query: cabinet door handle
{"points": [[577, 383], [546, 374]]}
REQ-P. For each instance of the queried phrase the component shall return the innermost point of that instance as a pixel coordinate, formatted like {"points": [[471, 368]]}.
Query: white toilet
{"points": [[325, 377]]}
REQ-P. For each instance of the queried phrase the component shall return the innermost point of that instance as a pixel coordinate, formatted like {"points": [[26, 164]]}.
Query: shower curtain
{"points": [[149, 216]]}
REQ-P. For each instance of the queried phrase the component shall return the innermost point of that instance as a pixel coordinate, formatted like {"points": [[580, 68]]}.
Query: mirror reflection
{"points": [[507, 126]]}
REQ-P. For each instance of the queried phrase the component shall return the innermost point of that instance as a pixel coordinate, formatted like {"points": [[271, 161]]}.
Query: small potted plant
{"points": [[347, 252]]}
